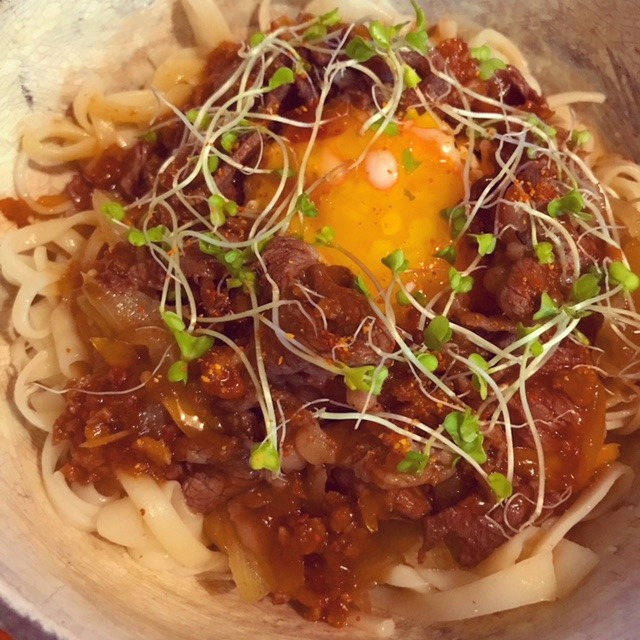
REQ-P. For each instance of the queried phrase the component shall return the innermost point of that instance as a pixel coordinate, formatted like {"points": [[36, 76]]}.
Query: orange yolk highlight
{"points": [[391, 200]]}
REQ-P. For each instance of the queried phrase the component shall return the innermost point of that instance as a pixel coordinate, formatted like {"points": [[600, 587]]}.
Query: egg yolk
{"points": [[391, 199]]}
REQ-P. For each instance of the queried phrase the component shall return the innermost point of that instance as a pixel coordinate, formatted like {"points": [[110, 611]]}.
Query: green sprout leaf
{"points": [[464, 429], [544, 251], [360, 49], [139, 238], [265, 456], [457, 218], [331, 18], [581, 138], [193, 115], [219, 208], [581, 337], [437, 333], [282, 76], [523, 331], [396, 262], [368, 378], [178, 372], [428, 361], [421, 18], [257, 39], [216, 201], [536, 348], [402, 298], [209, 247], [585, 287], [229, 141], [481, 54], [486, 243], [391, 128], [414, 462], [410, 76], [542, 126], [173, 321], [306, 206], [361, 286], [192, 347], [548, 308], [315, 32], [418, 41], [620, 274], [289, 173], [217, 217], [572, 202], [449, 253], [488, 65], [234, 258], [150, 136], [114, 210], [479, 381], [409, 161], [488, 68], [458, 282], [246, 278], [420, 298], [500, 485], [213, 163], [382, 35], [326, 236]]}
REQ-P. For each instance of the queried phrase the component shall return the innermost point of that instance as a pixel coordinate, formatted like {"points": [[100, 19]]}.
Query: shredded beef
{"points": [[329, 315], [465, 530], [204, 491]]}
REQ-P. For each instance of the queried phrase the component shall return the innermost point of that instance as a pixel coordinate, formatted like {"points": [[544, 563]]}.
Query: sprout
{"points": [[488, 65], [368, 378], [114, 210], [573, 202], [486, 243], [414, 462], [360, 50], [458, 282], [411, 77], [464, 429], [396, 262], [409, 161], [326, 236], [620, 274], [178, 372], [265, 456], [500, 485], [437, 333], [548, 308], [283, 76], [306, 206], [544, 251]]}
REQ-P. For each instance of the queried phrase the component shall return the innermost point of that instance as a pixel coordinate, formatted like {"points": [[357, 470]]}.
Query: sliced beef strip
{"points": [[296, 270], [465, 530], [206, 490]]}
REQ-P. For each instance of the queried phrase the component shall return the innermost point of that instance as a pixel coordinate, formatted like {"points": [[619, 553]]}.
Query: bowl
{"points": [[56, 582]]}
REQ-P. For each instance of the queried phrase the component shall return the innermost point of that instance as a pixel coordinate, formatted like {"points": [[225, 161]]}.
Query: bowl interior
{"points": [[78, 586]]}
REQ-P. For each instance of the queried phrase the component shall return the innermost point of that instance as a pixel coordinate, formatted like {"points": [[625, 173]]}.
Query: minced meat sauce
{"points": [[341, 513]]}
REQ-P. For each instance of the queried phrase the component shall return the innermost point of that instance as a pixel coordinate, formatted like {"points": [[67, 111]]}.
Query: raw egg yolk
{"points": [[391, 199]]}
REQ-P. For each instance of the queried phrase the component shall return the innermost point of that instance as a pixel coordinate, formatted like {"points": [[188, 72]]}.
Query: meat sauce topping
{"points": [[344, 510]]}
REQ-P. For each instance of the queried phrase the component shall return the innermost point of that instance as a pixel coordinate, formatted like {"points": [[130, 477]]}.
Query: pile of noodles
{"points": [[537, 564]]}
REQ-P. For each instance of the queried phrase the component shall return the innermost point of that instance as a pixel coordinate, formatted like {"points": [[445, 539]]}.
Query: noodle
{"points": [[62, 315]]}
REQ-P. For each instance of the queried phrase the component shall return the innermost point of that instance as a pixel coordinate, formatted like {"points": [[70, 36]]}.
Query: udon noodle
{"points": [[476, 375]]}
